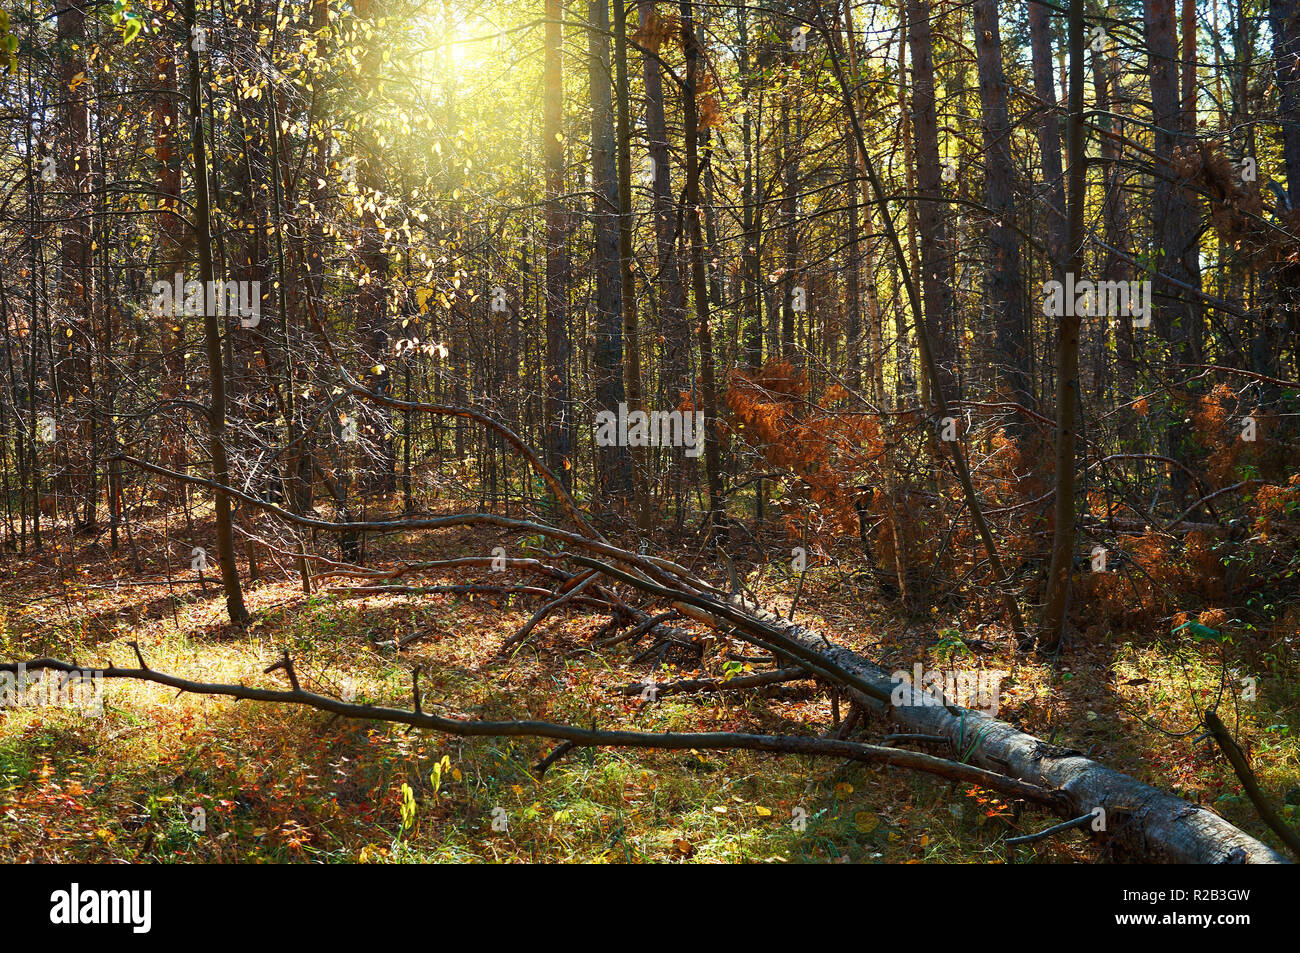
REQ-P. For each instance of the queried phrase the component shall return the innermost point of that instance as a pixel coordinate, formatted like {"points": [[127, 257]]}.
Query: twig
{"points": [[1237, 758], [691, 685], [559, 752], [285, 663], [544, 611], [139, 658], [589, 738], [918, 739], [638, 631], [850, 721], [1059, 828]]}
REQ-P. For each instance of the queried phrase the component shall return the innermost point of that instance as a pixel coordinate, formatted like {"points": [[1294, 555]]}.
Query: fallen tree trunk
{"points": [[1141, 822]]}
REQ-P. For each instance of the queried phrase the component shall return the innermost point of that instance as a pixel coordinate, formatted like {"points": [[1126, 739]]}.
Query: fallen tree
{"points": [[1140, 821]]}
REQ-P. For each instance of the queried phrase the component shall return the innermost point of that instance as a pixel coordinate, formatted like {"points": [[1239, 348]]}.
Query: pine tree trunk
{"points": [[612, 476], [1003, 277], [936, 251], [708, 402], [558, 410], [212, 338], [631, 340], [1067, 356]]}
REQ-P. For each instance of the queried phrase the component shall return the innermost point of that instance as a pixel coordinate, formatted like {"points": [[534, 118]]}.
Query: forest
{"points": [[634, 431]]}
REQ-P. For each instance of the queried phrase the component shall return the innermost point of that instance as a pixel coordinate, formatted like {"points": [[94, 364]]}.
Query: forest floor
{"points": [[289, 784]]}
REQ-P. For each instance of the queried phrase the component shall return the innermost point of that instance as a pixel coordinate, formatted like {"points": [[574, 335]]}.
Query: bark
{"points": [[1003, 277], [1141, 822], [1114, 232], [1067, 358], [1241, 768], [751, 295], [699, 281], [905, 390], [287, 399], [789, 210], [372, 314], [174, 248], [212, 338], [936, 251], [631, 339], [1284, 18], [853, 304], [672, 294], [558, 347], [858, 163], [1049, 133], [74, 333], [612, 473], [1177, 312], [929, 365]]}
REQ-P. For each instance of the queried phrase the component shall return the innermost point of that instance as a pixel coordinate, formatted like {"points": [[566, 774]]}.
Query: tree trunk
{"points": [[1003, 278], [212, 338], [1049, 134], [1175, 229], [373, 315], [74, 336], [1141, 822], [699, 280], [751, 284], [789, 207], [672, 294], [612, 477], [1067, 357], [905, 389], [558, 347], [932, 376], [936, 252], [1114, 235], [1284, 18], [631, 340]]}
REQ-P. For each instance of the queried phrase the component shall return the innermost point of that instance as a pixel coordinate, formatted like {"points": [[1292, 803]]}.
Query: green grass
{"points": [[281, 784]]}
